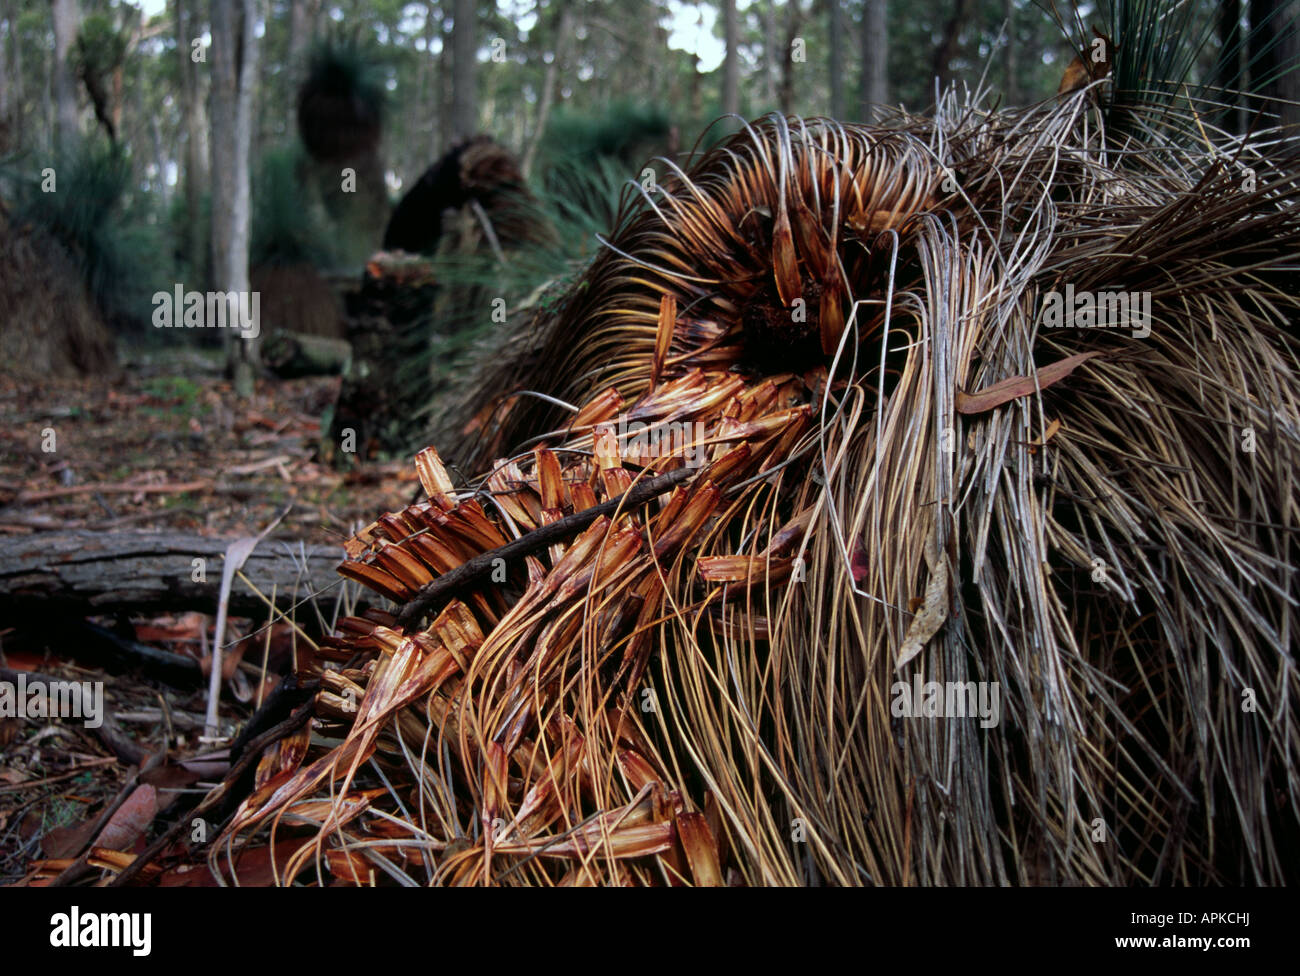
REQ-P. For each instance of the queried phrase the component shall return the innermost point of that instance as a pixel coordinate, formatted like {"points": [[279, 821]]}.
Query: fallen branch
{"points": [[29, 784], [89, 572], [171, 489]]}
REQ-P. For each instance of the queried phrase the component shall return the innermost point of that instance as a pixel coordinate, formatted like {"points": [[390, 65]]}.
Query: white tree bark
{"points": [[67, 20], [234, 73], [731, 67]]}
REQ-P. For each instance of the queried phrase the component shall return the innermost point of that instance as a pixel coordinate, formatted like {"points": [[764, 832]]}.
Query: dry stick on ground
{"points": [[30, 784], [218, 793], [411, 612], [169, 489]]}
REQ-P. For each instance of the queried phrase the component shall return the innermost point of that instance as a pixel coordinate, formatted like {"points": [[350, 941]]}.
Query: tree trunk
{"points": [[5, 82], [464, 111], [1228, 75], [731, 66], [67, 20], [195, 156], [1263, 50], [1288, 55], [18, 115], [769, 54], [301, 17], [94, 572], [835, 23], [430, 98], [875, 56], [234, 71], [1272, 30], [410, 159], [695, 87], [159, 158], [300, 31], [442, 134], [793, 21], [1009, 55], [947, 49], [564, 28], [47, 98]]}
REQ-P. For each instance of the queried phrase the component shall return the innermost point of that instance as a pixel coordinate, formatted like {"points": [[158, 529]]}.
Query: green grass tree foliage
{"points": [[89, 203]]}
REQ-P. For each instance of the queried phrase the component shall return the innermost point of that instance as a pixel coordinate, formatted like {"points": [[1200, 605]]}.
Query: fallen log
{"points": [[92, 572], [293, 354]]}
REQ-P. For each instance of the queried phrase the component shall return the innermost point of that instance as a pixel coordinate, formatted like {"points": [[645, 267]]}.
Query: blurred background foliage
{"points": [[583, 93]]}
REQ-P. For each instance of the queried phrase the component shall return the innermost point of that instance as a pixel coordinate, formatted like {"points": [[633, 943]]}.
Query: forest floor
{"points": [[162, 447]]}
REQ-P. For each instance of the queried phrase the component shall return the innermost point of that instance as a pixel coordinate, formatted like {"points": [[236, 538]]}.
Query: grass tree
{"points": [[885, 468]]}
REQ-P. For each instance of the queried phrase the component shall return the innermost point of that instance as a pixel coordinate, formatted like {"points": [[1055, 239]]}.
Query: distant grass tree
{"points": [[341, 115], [87, 203]]}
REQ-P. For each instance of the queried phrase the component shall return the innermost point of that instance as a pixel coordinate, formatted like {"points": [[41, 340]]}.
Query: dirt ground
{"points": [[165, 447]]}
